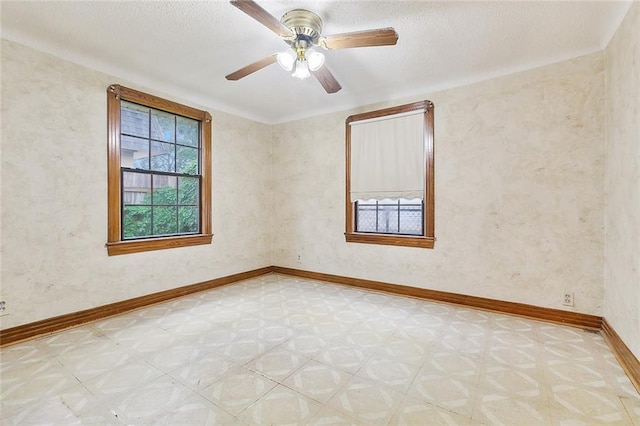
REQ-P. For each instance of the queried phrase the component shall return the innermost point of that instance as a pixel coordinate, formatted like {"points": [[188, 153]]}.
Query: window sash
{"points": [[383, 210], [116, 245]]}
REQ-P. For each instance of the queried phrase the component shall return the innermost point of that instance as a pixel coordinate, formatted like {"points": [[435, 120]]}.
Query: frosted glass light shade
{"points": [[302, 70], [315, 59], [287, 59]]}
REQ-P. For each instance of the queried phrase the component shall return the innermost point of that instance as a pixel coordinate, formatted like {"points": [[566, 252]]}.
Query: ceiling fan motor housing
{"points": [[305, 24]]}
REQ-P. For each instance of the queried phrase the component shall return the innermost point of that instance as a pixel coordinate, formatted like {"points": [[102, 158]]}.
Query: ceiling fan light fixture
{"points": [[302, 70], [287, 59], [315, 59]]}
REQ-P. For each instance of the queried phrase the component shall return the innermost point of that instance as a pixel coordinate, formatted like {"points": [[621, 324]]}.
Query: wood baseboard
{"points": [[625, 357], [51, 325], [574, 319]]}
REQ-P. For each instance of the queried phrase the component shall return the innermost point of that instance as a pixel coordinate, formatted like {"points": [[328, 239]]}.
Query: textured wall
{"points": [[519, 192], [622, 182], [54, 196]]}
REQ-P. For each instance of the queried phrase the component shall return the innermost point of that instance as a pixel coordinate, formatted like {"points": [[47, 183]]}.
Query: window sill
{"points": [[137, 246], [390, 240]]}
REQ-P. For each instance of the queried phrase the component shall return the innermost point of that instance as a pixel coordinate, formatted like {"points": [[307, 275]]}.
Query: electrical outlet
{"points": [[567, 300], [299, 259], [3, 308]]}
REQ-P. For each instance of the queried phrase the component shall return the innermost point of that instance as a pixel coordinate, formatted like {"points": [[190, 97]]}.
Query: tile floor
{"points": [[282, 350]]}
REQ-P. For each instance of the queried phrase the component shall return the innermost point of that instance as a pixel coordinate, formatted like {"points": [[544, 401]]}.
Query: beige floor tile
{"points": [[632, 405], [245, 349], [577, 403], [12, 355], [281, 406], [194, 410], [277, 364], [366, 401], [203, 371], [274, 334], [274, 348], [417, 333], [444, 391], [525, 384], [194, 326], [248, 325], [169, 358], [60, 407], [405, 350], [146, 401], [413, 411], [368, 338], [461, 366], [237, 390], [145, 339], [317, 380], [31, 381], [73, 406], [589, 374], [306, 344], [91, 360], [122, 379], [500, 409], [344, 357], [217, 337], [329, 416], [389, 372], [509, 355], [75, 337]]}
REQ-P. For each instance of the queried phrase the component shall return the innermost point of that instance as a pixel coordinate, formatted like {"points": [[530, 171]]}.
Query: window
{"points": [[159, 173], [390, 176]]}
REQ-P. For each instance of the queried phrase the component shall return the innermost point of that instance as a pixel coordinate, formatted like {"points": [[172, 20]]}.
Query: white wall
{"points": [[54, 196], [519, 192], [622, 182]]}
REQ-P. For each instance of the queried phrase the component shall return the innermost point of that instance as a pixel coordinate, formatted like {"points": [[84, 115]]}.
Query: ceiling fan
{"points": [[301, 30]]}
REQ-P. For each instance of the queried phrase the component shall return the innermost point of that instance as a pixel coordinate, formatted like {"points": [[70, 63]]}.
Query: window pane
{"points": [[164, 220], [136, 221], [383, 216], [164, 190], [187, 161], [187, 131], [366, 217], [134, 153], [162, 126], [188, 191], [136, 188], [388, 217], [134, 119], [188, 219], [411, 216], [163, 157]]}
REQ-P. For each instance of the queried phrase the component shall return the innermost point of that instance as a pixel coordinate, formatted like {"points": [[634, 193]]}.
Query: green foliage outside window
{"points": [[169, 210]]}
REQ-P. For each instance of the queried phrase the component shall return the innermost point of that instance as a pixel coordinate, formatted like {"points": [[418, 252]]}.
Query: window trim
{"points": [[427, 240], [115, 244]]}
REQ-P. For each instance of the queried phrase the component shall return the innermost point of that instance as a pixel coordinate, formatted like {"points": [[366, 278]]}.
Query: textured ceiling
{"points": [[186, 48]]}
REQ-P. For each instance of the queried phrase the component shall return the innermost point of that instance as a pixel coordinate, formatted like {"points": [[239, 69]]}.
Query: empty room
{"points": [[280, 212]]}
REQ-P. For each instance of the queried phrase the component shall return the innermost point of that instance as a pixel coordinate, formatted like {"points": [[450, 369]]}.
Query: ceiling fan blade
{"points": [[251, 68], [379, 37], [327, 80], [254, 10]]}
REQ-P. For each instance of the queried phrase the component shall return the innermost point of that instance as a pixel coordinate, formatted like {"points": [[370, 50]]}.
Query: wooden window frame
{"points": [[115, 244], [427, 240]]}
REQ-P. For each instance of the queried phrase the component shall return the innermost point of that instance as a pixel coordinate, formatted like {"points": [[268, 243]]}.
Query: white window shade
{"points": [[387, 158]]}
